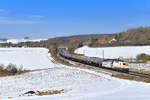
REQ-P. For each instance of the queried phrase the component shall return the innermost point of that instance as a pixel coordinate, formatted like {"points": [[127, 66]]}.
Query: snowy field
{"points": [[80, 84], [114, 52], [29, 58]]}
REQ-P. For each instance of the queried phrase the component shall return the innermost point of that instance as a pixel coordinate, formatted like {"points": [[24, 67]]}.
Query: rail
{"points": [[139, 74]]}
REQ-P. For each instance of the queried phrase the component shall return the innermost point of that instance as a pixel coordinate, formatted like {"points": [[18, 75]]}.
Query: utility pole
{"points": [[84, 52], [103, 54]]}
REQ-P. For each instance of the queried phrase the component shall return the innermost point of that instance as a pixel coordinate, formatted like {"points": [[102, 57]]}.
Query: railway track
{"points": [[139, 74], [131, 73]]}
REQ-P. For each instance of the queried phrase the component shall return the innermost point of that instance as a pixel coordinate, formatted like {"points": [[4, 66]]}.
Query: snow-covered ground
{"points": [[140, 66], [75, 81], [29, 58], [81, 84], [114, 52]]}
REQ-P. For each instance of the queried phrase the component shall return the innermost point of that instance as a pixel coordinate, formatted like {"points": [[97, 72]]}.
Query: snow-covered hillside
{"points": [[80, 84], [75, 81], [29, 58], [114, 52]]}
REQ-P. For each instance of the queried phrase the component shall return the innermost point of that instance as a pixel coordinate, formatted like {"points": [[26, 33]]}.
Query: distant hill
{"points": [[82, 38], [141, 34], [3, 39]]}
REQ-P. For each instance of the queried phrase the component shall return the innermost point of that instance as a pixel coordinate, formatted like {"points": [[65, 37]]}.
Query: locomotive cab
{"points": [[120, 66]]}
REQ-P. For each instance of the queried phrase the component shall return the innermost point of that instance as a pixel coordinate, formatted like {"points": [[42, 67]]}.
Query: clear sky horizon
{"points": [[53, 18]]}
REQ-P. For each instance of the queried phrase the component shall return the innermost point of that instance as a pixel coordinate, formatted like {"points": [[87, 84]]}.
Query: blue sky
{"points": [[51, 18]]}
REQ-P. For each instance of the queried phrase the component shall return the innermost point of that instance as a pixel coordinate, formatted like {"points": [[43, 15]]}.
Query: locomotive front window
{"points": [[125, 64]]}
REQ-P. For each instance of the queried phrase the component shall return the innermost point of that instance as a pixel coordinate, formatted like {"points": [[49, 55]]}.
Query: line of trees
{"points": [[141, 34]]}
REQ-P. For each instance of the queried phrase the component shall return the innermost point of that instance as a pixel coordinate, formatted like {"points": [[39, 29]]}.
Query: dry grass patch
{"points": [[41, 93], [50, 92]]}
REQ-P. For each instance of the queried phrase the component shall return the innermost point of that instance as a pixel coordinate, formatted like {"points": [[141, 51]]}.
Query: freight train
{"points": [[114, 64]]}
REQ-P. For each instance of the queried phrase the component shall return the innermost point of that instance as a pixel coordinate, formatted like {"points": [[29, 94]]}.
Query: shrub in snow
{"points": [[144, 57], [1, 69], [11, 70]]}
